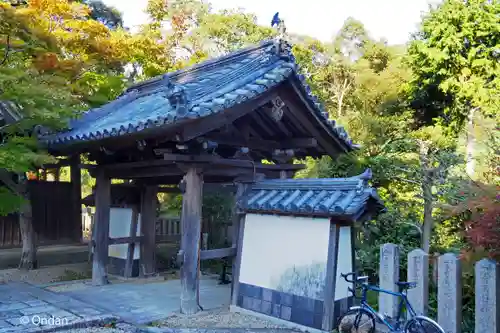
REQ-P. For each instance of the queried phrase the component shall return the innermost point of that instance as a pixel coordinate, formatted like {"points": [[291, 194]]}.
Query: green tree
{"points": [[455, 60], [54, 61], [107, 15]]}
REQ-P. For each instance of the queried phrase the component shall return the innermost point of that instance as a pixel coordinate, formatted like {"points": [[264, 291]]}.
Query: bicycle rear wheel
{"points": [[356, 321], [422, 324]]}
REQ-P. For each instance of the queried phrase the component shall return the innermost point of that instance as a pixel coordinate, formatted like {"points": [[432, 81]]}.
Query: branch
{"points": [[403, 169], [419, 229], [6, 56], [407, 180]]}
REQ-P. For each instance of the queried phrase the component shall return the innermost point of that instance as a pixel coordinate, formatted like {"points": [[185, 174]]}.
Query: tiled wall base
{"points": [[116, 266], [297, 309]]}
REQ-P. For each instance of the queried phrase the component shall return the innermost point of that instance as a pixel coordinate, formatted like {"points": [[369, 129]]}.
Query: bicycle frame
{"points": [[403, 302]]}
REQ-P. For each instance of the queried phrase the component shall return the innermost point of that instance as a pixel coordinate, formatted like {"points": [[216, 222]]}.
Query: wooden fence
{"points": [[215, 234], [54, 216], [10, 235], [167, 229], [170, 227], [449, 288]]}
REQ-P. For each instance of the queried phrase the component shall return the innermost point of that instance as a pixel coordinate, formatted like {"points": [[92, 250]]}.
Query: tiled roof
{"points": [[347, 197], [9, 113], [196, 92]]}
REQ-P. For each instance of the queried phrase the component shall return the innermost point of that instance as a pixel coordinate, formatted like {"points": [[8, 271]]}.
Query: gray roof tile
{"points": [[347, 197], [204, 89]]}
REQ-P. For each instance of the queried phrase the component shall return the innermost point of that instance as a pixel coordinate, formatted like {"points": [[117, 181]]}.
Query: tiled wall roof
{"points": [[347, 197]]}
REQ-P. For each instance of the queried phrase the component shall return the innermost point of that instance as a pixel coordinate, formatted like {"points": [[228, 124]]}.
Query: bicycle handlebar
{"points": [[346, 276], [355, 277]]}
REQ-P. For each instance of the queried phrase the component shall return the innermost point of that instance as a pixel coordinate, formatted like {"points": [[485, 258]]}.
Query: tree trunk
{"points": [[28, 256], [428, 221], [470, 147], [427, 194]]}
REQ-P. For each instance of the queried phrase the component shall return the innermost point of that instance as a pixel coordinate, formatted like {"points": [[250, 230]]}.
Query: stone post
{"points": [[388, 276], [418, 271], [487, 275], [449, 293]]}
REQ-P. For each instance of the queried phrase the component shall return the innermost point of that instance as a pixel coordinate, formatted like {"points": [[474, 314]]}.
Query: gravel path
{"points": [[94, 329], [219, 318], [45, 275]]}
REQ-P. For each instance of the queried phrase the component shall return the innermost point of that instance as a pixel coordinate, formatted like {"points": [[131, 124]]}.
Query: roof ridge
{"points": [[365, 175], [202, 65]]}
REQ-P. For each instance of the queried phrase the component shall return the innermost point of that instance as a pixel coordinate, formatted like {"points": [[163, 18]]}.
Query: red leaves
{"points": [[483, 229], [46, 62]]}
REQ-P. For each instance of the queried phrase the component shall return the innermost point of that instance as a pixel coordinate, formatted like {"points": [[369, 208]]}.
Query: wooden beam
{"points": [[218, 253], [263, 145], [215, 160], [103, 202], [125, 240], [331, 276], [148, 230], [170, 160], [146, 172], [190, 243], [212, 171], [76, 185]]}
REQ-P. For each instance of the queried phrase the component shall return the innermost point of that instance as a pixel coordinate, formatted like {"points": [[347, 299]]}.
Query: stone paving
{"points": [[140, 304], [26, 308]]}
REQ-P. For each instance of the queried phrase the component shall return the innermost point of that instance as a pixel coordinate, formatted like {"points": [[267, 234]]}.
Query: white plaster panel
{"points": [[285, 253], [119, 226], [344, 264]]}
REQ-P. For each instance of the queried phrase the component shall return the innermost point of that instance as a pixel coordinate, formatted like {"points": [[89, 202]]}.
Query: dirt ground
{"points": [[219, 318], [48, 274]]}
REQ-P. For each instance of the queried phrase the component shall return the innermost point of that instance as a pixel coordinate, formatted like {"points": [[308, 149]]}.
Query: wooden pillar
{"points": [[237, 239], [331, 278], [76, 184], [190, 240], [102, 203], [148, 230]]}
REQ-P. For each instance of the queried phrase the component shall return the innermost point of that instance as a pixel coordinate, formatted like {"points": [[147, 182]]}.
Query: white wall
{"points": [[275, 246], [119, 226], [344, 264]]}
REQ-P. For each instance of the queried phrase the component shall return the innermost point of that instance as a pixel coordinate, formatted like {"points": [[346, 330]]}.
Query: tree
{"points": [[107, 15], [50, 48], [351, 39], [456, 65]]}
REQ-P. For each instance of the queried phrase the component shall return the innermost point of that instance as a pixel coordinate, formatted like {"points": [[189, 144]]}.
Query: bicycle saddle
{"points": [[406, 285]]}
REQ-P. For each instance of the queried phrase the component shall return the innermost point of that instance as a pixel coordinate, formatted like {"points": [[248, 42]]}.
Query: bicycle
{"points": [[363, 318]]}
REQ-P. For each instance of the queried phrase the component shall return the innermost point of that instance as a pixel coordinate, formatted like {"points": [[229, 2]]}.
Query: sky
{"points": [[393, 20]]}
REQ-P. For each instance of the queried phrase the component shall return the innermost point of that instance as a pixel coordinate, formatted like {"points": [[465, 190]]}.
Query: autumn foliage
{"points": [[481, 210], [483, 230]]}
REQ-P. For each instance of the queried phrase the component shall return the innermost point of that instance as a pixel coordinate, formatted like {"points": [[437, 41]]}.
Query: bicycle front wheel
{"points": [[356, 321], [422, 324]]}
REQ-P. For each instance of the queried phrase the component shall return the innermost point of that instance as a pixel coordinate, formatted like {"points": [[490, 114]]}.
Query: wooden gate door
{"points": [[55, 212]]}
